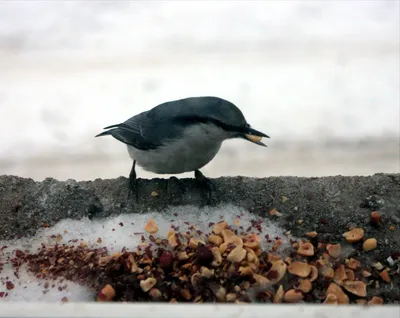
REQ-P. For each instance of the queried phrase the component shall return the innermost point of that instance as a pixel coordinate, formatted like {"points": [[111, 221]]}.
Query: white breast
{"points": [[199, 145]]}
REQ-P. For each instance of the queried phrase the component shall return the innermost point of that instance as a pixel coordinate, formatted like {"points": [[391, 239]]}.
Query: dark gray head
{"points": [[212, 110]]}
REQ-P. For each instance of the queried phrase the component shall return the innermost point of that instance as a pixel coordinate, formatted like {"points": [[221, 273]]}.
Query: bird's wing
{"points": [[144, 131]]}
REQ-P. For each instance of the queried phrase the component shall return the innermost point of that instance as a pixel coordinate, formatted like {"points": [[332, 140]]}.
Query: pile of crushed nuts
{"points": [[222, 266]]}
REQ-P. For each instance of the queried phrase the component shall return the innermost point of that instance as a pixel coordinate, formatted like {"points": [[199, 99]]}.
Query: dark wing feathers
{"points": [[151, 129]]}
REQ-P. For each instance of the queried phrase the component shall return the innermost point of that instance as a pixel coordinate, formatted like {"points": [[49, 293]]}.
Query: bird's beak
{"points": [[255, 136]]}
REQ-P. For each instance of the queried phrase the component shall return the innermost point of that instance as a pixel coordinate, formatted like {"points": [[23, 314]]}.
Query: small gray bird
{"points": [[182, 135]]}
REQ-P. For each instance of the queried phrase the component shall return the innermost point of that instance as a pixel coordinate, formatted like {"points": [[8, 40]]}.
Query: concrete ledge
{"points": [[327, 203]]}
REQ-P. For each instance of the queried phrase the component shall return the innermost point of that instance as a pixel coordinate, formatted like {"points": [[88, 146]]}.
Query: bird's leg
{"points": [[206, 184], [133, 180]]}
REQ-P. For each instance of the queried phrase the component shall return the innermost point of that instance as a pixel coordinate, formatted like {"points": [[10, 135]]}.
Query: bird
{"points": [[182, 136]]}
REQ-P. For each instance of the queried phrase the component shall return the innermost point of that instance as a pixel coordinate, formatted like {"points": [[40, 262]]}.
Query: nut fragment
{"points": [[331, 299], [132, 265], [354, 235], [261, 280], [251, 241], [185, 293], [230, 297], [361, 302], [172, 238], [312, 234], [299, 269], [340, 275], [215, 239], [106, 294], [350, 274], [325, 270], [155, 293], [221, 293], [151, 226], [219, 227], [278, 298], [245, 271], [275, 212], [370, 244], [293, 296], [353, 264], [365, 273], [147, 284], [375, 301], [205, 272], [305, 285], [313, 274], [230, 237], [182, 256], [356, 287], [306, 249], [385, 276], [236, 222], [217, 257], [334, 250], [277, 271], [340, 295], [237, 254]]}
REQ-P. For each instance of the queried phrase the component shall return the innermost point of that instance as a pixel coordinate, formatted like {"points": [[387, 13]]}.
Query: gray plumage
{"points": [[182, 135]]}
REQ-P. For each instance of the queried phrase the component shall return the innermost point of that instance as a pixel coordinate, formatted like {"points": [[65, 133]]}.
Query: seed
{"points": [[334, 250], [215, 239], [375, 218], [237, 254], [370, 244], [306, 249], [151, 226], [299, 269], [293, 296], [147, 284], [166, 259], [204, 255], [338, 292], [357, 288], [354, 235]]}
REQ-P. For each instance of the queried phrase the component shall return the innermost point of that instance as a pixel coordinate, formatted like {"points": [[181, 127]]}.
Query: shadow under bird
{"points": [[182, 135]]}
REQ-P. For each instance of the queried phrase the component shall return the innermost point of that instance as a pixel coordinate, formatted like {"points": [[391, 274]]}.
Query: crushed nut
{"points": [[147, 284], [354, 235], [299, 269], [217, 257], [334, 250], [231, 238], [306, 249], [340, 275], [331, 299], [375, 301], [277, 271], [215, 239], [355, 287], [171, 236], [313, 274], [280, 293], [205, 272], [385, 276], [304, 285], [237, 254], [251, 241], [219, 227], [106, 294], [312, 234], [353, 264], [151, 226], [182, 256], [293, 296], [340, 295], [370, 244]]}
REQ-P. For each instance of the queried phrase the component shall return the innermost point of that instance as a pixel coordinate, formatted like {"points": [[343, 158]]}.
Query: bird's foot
{"points": [[207, 186], [133, 184]]}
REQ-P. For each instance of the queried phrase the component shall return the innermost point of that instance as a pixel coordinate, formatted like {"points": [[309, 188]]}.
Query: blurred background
{"points": [[320, 77]]}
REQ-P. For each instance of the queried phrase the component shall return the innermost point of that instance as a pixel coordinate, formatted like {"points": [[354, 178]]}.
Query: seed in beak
{"points": [[253, 138]]}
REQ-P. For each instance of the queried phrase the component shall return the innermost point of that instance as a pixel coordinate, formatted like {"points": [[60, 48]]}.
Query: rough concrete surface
{"points": [[328, 205]]}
